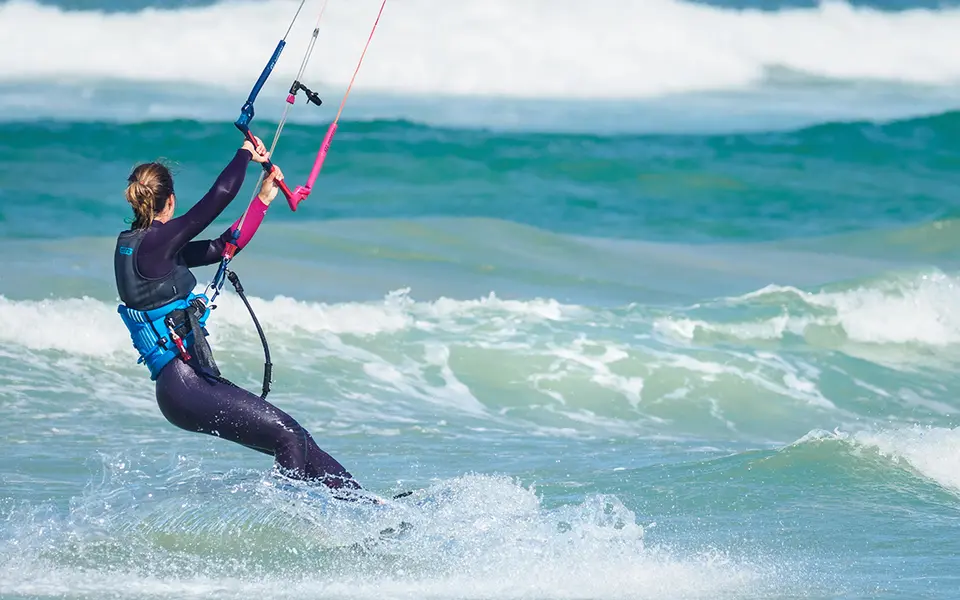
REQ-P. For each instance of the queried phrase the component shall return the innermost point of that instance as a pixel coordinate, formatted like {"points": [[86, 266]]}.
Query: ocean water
{"points": [[643, 299]]}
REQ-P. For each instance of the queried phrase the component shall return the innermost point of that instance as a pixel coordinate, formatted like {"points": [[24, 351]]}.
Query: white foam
{"points": [[565, 365], [85, 326], [578, 356], [472, 537], [81, 326], [561, 48], [934, 452], [915, 310], [342, 341], [765, 371], [769, 329]]}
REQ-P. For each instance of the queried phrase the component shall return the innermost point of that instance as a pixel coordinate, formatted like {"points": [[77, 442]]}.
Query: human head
{"points": [[150, 193]]}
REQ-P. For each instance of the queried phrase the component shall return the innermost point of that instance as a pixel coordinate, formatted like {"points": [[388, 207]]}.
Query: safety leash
{"points": [[267, 365]]}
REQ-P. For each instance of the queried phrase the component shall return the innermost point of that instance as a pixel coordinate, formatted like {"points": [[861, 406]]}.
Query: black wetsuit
{"points": [[197, 402]]}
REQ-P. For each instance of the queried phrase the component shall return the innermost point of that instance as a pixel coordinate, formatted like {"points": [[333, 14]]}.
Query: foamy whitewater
{"points": [[639, 299], [531, 49], [495, 62]]}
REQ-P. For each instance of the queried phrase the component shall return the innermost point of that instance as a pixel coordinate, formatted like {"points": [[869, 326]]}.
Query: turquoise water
{"points": [[641, 323]]}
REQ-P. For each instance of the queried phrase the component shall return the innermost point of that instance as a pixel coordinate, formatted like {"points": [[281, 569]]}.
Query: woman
{"points": [[166, 318]]}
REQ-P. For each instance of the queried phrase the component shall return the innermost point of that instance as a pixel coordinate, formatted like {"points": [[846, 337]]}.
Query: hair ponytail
{"points": [[149, 187]]}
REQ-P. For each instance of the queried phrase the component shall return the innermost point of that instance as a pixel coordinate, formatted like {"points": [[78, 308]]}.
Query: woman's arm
{"points": [[177, 232], [163, 241], [208, 252]]}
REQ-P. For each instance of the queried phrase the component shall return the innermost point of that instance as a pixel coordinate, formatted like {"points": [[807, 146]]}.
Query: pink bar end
{"points": [[290, 99], [299, 195]]}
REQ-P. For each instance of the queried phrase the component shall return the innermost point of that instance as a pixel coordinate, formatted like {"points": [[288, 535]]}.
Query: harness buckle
{"points": [[176, 339]]}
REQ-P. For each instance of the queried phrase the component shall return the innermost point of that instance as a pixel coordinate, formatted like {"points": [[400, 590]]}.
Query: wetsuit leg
{"points": [[225, 410]]}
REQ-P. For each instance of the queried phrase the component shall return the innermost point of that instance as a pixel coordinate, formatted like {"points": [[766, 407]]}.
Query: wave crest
{"points": [[477, 47]]}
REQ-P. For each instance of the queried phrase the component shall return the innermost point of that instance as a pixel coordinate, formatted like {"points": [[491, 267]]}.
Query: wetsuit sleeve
{"points": [[184, 228], [207, 252]]}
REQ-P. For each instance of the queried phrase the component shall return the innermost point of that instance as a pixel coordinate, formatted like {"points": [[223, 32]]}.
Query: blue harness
{"points": [[178, 327], [154, 332]]}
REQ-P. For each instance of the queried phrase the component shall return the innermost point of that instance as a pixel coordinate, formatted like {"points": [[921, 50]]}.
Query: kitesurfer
{"points": [[166, 318]]}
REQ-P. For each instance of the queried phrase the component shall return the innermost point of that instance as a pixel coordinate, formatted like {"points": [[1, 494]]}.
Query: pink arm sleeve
{"points": [[255, 214], [207, 252]]}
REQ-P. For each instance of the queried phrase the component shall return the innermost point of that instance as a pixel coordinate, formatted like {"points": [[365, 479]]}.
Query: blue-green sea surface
{"points": [[666, 309]]}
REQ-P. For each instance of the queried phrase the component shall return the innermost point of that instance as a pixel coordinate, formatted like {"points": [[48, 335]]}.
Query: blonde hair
{"points": [[150, 186]]}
